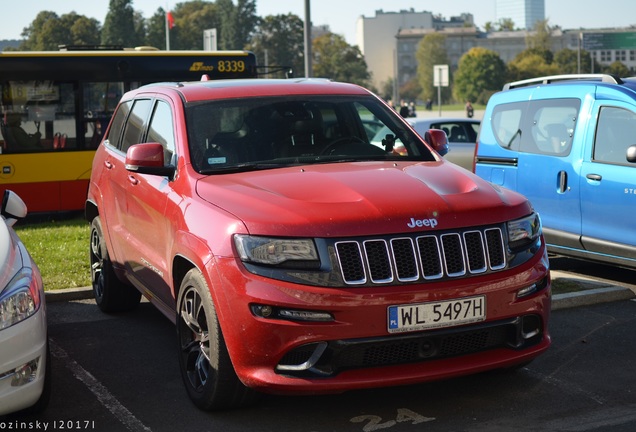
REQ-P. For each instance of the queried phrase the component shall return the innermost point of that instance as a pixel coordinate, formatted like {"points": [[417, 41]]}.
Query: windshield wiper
{"points": [[244, 167]]}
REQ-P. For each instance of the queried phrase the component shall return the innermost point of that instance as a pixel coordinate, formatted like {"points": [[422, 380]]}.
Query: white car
{"points": [[462, 136], [25, 380]]}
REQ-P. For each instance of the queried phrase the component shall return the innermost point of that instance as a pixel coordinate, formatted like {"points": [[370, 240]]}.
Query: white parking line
{"points": [[106, 398]]}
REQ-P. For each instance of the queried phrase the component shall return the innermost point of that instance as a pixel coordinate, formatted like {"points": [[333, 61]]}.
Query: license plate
{"points": [[413, 317]]}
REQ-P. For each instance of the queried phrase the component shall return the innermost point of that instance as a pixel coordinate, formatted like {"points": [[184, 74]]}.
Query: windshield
{"points": [[261, 133]]}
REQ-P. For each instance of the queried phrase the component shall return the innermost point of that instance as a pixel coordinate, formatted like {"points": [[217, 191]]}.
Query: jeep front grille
{"points": [[417, 258]]}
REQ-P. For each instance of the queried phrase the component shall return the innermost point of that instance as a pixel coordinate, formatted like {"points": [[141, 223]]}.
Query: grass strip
{"points": [[60, 249]]}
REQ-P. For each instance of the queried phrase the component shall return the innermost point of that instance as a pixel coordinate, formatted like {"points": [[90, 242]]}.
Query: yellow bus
{"points": [[56, 106]]}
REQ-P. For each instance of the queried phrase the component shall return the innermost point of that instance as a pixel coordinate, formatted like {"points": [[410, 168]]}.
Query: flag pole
{"points": [[167, 31]]}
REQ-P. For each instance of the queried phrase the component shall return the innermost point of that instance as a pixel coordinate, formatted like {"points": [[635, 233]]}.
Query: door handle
{"points": [[595, 177], [562, 179], [133, 180], [108, 165]]}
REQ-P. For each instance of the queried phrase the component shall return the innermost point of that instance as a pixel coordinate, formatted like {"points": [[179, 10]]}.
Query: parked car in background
{"points": [[297, 256], [461, 133], [568, 143], [462, 136], [25, 379]]}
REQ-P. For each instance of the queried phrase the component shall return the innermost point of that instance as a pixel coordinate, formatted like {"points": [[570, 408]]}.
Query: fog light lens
{"points": [[25, 373], [523, 292], [266, 311], [304, 315]]}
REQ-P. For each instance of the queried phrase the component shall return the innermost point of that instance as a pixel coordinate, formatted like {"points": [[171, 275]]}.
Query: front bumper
{"points": [[355, 349], [24, 343]]}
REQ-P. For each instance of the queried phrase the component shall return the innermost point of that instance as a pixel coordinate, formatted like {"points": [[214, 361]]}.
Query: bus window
{"points": [[100, 100], [56, 106]]}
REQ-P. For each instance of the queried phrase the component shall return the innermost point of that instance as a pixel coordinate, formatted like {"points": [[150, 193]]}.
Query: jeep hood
{"points": [[364, 198]]}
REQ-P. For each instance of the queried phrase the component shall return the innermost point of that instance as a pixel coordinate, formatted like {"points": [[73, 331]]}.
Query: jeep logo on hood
{"points": [[419, 223]]}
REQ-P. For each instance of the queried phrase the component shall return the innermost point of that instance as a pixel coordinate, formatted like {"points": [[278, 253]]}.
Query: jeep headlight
{"points": [[20, 299], [524, 231], [286, 252]]}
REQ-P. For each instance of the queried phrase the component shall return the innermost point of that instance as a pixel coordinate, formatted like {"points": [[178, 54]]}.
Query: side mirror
{"points": [[148, 158], [631, 154], [13, 208], [437, 139]]}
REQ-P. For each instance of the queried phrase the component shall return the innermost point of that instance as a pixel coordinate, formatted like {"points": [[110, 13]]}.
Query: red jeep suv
{"points": [[296, 253]]}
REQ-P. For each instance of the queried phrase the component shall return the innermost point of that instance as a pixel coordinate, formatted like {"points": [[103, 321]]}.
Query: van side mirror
{"points": [[631, 154]]}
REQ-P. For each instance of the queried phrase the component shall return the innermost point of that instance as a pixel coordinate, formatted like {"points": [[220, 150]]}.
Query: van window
{"points": [[506, 125], [541, 126], [551, 126], [615, 132]]}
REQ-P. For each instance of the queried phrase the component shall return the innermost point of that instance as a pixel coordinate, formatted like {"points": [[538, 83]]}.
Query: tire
{"points": [[205, 364], [111, 295]]}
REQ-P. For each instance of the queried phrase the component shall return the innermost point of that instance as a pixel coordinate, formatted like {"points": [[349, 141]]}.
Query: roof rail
{"points": [[606, 78]]}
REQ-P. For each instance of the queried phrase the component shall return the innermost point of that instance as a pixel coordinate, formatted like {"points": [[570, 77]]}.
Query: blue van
{"points": [[568, 143]]}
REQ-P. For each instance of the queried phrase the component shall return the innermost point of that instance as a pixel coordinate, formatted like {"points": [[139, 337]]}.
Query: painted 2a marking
{"points": [[375, 423]]}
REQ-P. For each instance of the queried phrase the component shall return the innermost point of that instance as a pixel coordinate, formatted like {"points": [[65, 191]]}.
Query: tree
{"points": [[156, 29], [541, 37], [190, 20], [506, 24], [334, 58], [530, 64], [278, 41], [387, 89], [83, 30], [431, 51], [119, 25], [480, 73], [617, 68], [410, 90], [567, 61], [48, 31], [238, 21]]}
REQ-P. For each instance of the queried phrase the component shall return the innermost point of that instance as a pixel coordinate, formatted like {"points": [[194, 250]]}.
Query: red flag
{"points": [[170, 20]]}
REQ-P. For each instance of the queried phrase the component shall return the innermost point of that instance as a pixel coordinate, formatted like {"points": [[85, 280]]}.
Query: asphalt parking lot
{"points": [[120, 373]]}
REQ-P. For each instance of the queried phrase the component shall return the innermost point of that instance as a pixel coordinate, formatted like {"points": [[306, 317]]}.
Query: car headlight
{"points": [[20, 299], [524, 231], [285, 252]]}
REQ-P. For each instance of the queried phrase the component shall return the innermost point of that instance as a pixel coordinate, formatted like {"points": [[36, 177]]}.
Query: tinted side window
{"points": [[549, 126], [615, 132], [506, 124], [161, 130], [461, 132], [114, 133], [135, 124]]}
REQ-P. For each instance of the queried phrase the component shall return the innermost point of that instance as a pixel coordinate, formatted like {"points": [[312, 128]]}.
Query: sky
{"points": [[341, 15]]}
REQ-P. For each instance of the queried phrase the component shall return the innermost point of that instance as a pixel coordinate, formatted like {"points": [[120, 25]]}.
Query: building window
{"points": [[606, 56]]}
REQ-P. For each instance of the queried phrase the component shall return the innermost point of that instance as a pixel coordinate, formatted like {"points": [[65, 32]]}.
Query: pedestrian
{"points": [[404, 109], [412, 112], [469, 110]]}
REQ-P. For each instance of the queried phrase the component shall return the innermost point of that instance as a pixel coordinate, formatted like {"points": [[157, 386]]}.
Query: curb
{"points": [[69, 294], [586, 296], [590, 296]]}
